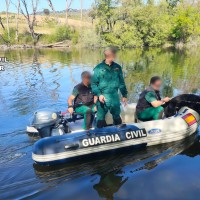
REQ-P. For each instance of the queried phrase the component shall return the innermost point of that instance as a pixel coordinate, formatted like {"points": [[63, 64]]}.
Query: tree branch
{"points": [[2, 24]]}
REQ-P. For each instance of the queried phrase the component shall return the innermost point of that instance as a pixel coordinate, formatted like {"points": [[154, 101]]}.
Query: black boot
{"points": [[117, 121], [101, 123], [88, 119]]}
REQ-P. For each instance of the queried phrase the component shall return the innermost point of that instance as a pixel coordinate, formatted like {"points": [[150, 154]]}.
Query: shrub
{"points": [[153, 24], [186, 23], [75, 37], [25, 38], [62, 33], [89, 38], [123, 35], [5, 36]]}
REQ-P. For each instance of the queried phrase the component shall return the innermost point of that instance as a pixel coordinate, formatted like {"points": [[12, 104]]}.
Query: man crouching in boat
{"points": [[106, 82], [82, 100], [149, 106]]}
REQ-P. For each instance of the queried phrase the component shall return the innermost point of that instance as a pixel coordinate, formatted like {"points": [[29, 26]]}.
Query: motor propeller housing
{"points": [[49, 123], [190, 100]]}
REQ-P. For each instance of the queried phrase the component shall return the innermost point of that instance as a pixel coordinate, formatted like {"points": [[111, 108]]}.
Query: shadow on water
{"points": [[112, 171], [43, 78]]}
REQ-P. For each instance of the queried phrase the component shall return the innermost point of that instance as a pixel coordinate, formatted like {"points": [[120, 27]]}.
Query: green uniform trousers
{"points": [[151, 113], [87, 112], [112, 104]]}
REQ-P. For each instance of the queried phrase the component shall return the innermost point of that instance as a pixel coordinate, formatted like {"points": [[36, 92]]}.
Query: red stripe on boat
{"points": [[189, 119]]}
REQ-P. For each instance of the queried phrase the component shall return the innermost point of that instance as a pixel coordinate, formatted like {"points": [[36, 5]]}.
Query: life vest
{"points": [[84, 97], [143, 103]]}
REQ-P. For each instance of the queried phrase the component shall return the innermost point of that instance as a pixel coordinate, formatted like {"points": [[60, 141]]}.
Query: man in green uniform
{"points": [[82, 100], [106, 82], [149, 106]]}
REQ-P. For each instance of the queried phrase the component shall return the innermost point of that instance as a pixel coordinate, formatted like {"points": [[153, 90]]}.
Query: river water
{"points": [[35, 79]]}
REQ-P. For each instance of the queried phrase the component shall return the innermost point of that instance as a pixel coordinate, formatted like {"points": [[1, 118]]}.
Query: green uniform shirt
{"points": [[108, 79], [75, 92], [150, 97]]}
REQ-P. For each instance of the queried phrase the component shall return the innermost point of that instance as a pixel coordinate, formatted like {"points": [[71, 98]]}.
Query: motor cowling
{"points": [[48, 123]]}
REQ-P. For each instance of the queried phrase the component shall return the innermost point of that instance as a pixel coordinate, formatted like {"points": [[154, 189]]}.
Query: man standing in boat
{"points": [[149, 106], [106, 82], [82, 100]]}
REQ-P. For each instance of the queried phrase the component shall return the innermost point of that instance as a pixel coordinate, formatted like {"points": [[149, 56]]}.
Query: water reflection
{"points": [[39, 78], [109, 184], [113, 170], [179, 69]]}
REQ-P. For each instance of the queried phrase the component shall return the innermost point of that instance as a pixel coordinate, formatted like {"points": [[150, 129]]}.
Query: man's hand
{"points": [[102, 99], [166, 99], [125, 101], [95, 99], [71, 110]]}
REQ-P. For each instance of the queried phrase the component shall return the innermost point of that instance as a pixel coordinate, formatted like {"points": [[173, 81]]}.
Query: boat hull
{"points": [[59, 149]]}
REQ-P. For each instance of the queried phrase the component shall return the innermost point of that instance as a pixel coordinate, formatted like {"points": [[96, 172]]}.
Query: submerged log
{"points": [[63, 44], [57, 44]]}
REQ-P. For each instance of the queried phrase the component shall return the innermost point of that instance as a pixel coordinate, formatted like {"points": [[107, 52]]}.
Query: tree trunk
{"points": [[31, 21], [81, 10], [68, 4], [66, 17], [17, 22], [53, 9], [2, 24], [7, 18]]}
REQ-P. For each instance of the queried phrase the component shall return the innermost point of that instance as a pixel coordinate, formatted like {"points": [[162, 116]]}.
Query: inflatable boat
{"points": [[78, 144]]}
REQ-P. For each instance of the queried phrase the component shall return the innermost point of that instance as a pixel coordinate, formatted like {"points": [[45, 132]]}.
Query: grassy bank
{"points": [[49, 29], [123, 24]]}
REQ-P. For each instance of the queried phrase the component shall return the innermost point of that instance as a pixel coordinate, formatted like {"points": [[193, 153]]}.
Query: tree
{"points": [[132, 3], [105, 12], [150, 2], [7, 17], [17, 21], [186, 23], [173, 3], [1, 23], [46, 11], [31, 19], [81, 2], [68, 4], [53, 9]]}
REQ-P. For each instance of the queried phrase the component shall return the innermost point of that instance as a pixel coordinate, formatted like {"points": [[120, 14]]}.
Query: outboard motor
{"points": [[50, 123]]}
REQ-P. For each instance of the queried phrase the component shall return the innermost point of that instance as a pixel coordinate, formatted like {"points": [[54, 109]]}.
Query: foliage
{"points": [[186, 23], [152, 23], [123, 35], [12, 36], [25, 38], [125, 23], [88, 38], [62, 33], [173, 3], [121, 23], [50, 22], [75, 37]]}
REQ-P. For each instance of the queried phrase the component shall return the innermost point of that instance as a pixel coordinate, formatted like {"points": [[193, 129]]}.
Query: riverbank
{"points": [[63, 44], [69, 44]]}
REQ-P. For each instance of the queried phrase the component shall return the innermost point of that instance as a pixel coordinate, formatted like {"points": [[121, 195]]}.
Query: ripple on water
{"points": [[36, 79]]}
